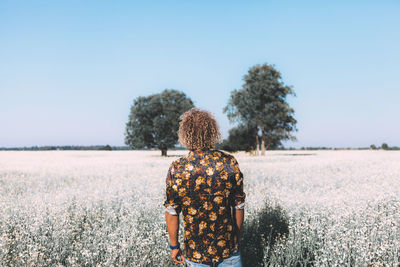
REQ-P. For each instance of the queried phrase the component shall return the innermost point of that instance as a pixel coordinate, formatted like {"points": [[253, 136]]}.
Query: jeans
{"points": [[233, 261]]}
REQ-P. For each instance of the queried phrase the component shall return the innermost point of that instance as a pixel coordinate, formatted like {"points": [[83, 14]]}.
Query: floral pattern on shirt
{"points": [[205, 185]]}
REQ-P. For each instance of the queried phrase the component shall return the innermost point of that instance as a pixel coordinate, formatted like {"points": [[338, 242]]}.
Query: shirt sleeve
{"points": [[238, 195], [173, 202]]}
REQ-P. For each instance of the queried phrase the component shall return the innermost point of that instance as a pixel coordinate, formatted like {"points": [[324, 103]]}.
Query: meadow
{"points": [[105, 208]]}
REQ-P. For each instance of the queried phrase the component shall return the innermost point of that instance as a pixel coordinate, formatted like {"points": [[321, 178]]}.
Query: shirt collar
{"points": [[201, 151]]}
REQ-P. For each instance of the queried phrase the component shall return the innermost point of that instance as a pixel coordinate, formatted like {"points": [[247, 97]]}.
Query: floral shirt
{"points": [[206, 185]]}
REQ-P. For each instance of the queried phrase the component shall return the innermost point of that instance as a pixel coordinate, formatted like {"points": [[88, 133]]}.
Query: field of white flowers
{"points": [[104, 208]]}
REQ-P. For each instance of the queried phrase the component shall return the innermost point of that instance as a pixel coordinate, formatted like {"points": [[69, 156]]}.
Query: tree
{"points": [[261, 103], [385, 146], [106, 147], [240, 138], [373, 147], [154, 120]]}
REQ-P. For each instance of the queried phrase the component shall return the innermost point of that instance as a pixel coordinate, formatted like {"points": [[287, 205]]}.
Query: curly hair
{"points": [[198, 129]]}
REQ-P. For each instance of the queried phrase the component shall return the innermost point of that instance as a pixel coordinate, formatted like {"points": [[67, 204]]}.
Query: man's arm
{"points": [[172, 209], [173, 231], [239, 217], [173, 227], [238, 198]]}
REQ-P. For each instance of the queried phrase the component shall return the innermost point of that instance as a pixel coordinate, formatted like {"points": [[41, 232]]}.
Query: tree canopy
{"points": [[241, 138], [154, 120], [261, 104]]}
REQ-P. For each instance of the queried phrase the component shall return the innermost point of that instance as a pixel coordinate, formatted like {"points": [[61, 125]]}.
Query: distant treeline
{"points": [[44, 148], [342, 148], [384, 146]]}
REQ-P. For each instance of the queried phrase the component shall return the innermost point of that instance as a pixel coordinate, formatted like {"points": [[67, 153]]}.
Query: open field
{"points": [[77, 208]]}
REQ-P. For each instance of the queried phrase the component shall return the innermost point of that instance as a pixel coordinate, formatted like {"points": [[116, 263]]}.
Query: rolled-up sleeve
{"points": [[173, 202], [237, 188]]}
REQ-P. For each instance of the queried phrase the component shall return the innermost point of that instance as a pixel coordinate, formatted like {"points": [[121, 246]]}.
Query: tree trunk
{"points": [[163, 152], [262, 147], [257, 145], [262, 142]]}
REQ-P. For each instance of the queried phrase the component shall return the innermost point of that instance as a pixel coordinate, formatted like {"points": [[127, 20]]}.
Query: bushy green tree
{"points": [[240, 138], [106, 147], [154, 120], [385, 146], [261, 104]]}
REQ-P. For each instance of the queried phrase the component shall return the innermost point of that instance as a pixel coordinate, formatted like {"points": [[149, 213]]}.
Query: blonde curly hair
{"points": [[198, 129]]}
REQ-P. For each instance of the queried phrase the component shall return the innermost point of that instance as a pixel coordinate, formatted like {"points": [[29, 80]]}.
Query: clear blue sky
{"points": [[69, 70]]}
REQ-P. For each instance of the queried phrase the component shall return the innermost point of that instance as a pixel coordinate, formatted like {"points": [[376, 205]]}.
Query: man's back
{"points": [[205, 185]]}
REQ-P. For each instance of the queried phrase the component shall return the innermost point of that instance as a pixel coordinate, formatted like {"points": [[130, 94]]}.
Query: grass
{"points": [[69, 208]]}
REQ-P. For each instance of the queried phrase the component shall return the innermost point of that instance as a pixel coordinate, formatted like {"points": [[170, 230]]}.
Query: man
{"points": [[206, 185]]}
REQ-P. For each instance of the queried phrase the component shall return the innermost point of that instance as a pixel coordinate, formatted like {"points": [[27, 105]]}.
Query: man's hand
{"points": [[177, 257]]}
